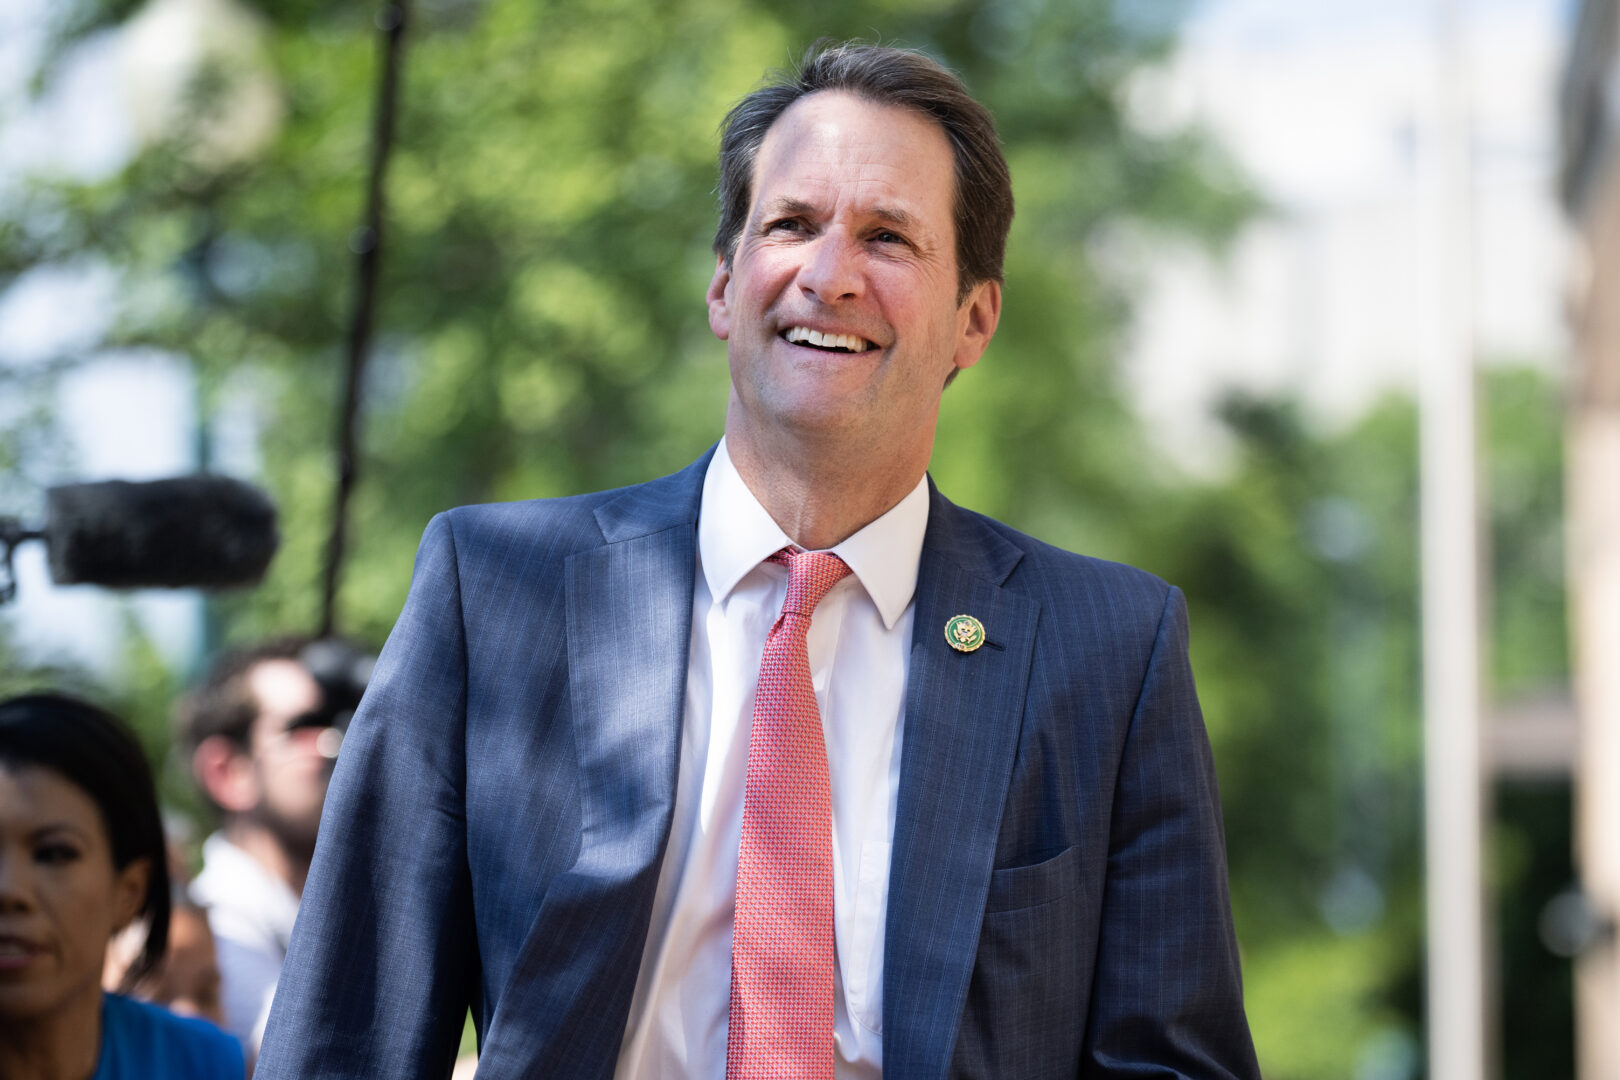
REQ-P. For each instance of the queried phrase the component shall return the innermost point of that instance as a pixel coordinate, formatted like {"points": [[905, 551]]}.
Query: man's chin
{"points": [[295, 832], [824, 411]]}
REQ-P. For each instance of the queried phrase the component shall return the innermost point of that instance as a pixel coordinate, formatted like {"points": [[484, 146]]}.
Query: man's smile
{"points": [[803, 335]]}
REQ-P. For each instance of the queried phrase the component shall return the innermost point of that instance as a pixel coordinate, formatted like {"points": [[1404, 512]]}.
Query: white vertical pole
{"points": [[1453, 790], [1594, 576]]}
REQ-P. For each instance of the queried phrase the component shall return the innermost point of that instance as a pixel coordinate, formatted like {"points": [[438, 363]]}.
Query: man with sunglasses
{"points": [[262, 732]]}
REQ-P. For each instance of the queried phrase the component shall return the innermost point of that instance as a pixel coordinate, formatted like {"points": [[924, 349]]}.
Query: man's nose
{"points": [[833, 268]]}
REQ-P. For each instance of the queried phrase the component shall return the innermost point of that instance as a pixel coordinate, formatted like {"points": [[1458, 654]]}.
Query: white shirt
{"points": [[859, 639], [251, 913]]}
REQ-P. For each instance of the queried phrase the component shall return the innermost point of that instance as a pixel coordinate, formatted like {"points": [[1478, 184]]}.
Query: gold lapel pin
{"points": [[964, 633]]}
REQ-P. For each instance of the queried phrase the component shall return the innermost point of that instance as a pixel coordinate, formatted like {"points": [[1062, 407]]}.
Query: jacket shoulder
{"points": [[1046, 567], [559, 527], [565, 524], [1081, 596]]}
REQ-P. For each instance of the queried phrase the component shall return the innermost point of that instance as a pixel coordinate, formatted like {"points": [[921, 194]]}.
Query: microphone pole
{"points": [[366, 242], [12, 533]]}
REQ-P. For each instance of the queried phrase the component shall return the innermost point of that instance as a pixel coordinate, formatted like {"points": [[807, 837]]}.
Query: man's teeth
{"points": [[803, 335]]}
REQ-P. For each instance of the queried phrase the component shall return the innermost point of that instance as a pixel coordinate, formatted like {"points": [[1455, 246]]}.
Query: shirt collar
{"points": [[736, 534], [235, 882]]}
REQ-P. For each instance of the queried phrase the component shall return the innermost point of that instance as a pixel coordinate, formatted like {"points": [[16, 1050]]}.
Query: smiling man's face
{"points": [[839, 308]]}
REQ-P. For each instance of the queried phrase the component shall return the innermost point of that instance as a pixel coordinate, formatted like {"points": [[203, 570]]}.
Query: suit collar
{"points": [[968, 540], [655, 506], [963, 717], [628, 609]]}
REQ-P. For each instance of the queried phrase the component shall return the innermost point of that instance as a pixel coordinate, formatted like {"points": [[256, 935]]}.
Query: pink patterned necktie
{"points": [[782, 940]]}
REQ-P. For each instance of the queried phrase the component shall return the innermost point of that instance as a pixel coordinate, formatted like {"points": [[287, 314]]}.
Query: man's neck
{"points": [[262, 846], [62, 1045], [821, 498]]}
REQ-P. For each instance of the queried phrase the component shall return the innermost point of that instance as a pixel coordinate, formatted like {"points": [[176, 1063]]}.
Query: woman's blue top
{"points": [[142, 1042]]}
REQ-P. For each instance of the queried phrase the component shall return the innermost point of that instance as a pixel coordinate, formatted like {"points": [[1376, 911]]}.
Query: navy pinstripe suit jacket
{"points": [[1057, 890]]}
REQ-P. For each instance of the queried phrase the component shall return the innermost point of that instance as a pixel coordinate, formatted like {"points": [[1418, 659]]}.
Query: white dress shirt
{"points": [[251, 913], [859, 639]]}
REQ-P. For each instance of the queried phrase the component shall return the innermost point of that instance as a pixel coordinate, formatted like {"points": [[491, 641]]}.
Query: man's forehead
{"points": [[283, 688], [845, 117], [834, 146]]}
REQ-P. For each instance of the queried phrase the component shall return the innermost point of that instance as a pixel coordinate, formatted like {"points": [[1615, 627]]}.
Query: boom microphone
{"points": [[205, 531]]}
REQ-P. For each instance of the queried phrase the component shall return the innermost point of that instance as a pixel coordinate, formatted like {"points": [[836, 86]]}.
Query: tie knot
{"points": [[811, 575]]}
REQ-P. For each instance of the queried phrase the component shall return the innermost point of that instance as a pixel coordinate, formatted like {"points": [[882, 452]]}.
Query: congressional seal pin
{"points": [[964, 632]]}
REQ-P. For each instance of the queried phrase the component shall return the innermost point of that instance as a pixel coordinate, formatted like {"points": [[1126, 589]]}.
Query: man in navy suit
{"points": [[538, 808]]}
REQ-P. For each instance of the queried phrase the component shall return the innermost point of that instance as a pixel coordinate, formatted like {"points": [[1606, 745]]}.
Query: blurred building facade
{"points": [[1336, 115], [1590, 188]]}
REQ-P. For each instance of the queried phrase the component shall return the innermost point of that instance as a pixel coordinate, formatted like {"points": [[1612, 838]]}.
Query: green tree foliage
{"points": [[549, 214]]}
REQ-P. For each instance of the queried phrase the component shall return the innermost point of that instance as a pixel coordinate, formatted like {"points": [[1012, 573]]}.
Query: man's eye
{"points": [[888, 237], [785, 225]]}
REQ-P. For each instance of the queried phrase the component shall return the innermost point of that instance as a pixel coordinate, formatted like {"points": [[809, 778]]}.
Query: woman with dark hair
{"points": [[82, 856]]}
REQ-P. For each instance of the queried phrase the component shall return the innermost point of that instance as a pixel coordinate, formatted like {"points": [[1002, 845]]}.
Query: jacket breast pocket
{"points": [[1038, 883]]}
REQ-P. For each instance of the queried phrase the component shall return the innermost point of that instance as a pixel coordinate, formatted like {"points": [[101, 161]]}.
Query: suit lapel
{"points": [[962, 719], [629, 615]]}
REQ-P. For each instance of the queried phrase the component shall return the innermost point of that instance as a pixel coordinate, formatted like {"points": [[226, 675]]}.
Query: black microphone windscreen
{"points": [[206, 531]]}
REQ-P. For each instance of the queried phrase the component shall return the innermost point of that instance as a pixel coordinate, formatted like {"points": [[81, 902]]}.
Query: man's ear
{"points": [[225, 772], [129, 891], [976, 321], [719, 299]]}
